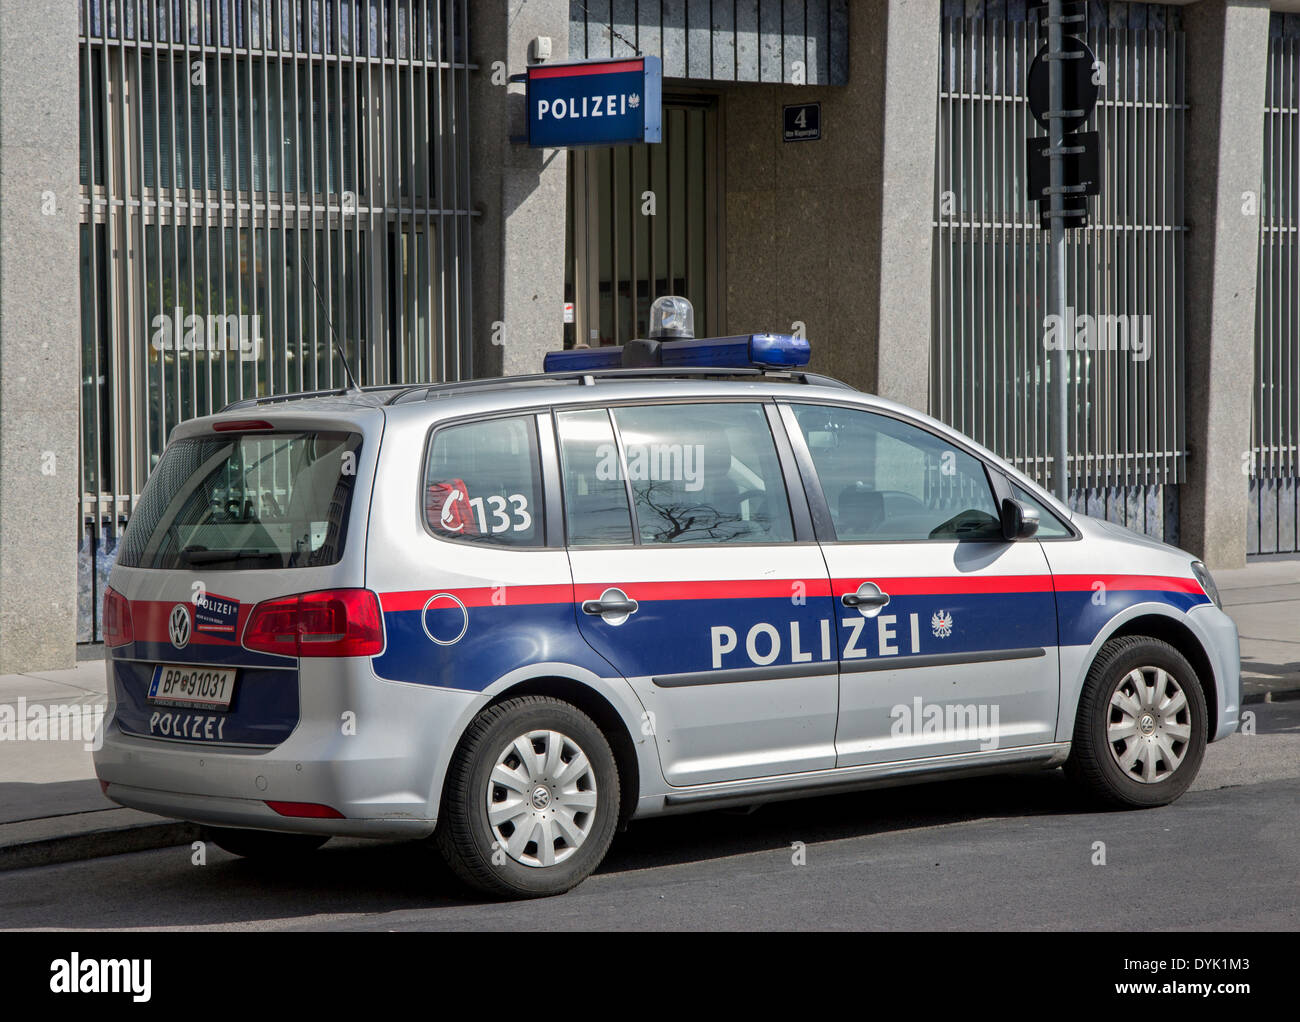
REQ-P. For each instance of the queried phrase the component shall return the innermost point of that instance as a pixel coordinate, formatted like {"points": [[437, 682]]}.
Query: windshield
{"points": [[244, 501]]}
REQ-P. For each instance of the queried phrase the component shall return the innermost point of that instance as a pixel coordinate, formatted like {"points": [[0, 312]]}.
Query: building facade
{"points": [[204, 200]]}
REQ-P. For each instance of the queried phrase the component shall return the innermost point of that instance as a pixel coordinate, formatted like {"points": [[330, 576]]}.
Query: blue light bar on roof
{"points": [[582, 360], [759, 351]]}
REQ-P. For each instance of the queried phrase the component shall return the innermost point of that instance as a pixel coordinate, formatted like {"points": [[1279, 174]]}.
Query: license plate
{"points": [[207, 688]]}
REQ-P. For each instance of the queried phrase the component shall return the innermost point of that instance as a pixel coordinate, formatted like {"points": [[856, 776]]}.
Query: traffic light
{"points": [[1079, 152]]}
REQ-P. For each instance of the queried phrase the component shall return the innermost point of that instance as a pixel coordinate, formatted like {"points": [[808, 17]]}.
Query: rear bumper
{"points": [[372, 750], [242, 812]]}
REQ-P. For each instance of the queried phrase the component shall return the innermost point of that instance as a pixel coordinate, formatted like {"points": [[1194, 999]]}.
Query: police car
{"points": [[508, 616]]}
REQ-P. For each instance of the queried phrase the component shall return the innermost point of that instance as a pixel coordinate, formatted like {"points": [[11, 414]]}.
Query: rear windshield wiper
{"points": [[202, 555]]}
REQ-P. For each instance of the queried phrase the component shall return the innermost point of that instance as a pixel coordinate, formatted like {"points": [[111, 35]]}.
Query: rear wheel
{"points": [[263, 844], [531, 799], [1140, 733]]}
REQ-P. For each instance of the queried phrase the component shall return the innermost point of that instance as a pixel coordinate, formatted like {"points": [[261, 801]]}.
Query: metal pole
{"points": [[1057, 253]]}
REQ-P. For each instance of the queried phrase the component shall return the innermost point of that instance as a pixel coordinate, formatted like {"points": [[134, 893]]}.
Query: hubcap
{"points": [[1149, 727], [541, 798]]}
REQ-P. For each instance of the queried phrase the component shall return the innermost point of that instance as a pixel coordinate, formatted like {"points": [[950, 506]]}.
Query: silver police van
{"points": [[508, 616]]}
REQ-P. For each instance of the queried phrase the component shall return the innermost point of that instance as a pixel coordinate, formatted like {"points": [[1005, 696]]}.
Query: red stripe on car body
{"points": [[751, 589]]}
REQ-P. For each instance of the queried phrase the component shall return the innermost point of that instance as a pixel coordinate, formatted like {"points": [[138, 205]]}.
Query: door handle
{"points": [[855, 600], [869, 598], [614, 605]]}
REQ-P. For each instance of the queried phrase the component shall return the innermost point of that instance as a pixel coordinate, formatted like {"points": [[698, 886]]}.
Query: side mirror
{"points": [[1018, 520]]}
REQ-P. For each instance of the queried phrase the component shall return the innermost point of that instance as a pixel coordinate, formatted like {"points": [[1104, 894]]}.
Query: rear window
{"points": [[246, 501]]}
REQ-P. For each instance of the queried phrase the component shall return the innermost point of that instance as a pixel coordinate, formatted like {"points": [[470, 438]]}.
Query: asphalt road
{"points": [[1014, 852]]}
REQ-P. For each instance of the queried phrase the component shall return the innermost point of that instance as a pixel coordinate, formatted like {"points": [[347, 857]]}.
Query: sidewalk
{"points": [[51, 808], [1264, 599]]}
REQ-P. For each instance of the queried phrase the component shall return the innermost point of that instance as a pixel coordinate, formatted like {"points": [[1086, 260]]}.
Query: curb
{"points": [[91, 835], [1275, 695]]}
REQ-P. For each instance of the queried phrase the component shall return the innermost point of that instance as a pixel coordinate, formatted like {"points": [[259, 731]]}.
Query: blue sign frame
{"points": [[595, 103]]}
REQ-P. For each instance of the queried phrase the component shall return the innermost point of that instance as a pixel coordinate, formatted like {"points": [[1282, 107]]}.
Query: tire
{"points": [[1138, 746], [267, 845], [554, 819]]}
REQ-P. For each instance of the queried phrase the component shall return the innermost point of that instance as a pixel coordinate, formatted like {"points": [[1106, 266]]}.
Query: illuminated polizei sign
{"points": [[595, 103]]}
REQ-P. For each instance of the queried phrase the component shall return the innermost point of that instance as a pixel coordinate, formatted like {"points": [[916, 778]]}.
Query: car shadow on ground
{"points": [[670, 840], [350, 877]]}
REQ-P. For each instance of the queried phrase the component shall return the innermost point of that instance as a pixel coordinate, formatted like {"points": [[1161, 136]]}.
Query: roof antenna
{"points": [[338, 345]]}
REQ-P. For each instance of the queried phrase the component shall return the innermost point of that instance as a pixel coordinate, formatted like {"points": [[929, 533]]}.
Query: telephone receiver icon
{"points": [[446, 517]]}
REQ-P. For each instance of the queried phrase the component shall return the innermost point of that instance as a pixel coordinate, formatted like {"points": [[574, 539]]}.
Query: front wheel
{"points": [[531, 800], [1140, 733]]}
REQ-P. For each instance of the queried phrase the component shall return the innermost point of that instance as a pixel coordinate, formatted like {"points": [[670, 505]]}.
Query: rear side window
{"points": [[483, 483], [704, 473], [595, 489], [698, 473], [245, 501]]}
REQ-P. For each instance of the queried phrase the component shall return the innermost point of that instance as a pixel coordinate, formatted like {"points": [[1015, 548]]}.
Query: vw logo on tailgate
{"points": [[178, 626]]}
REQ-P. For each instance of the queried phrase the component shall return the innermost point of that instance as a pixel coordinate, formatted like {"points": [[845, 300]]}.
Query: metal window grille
{"points": [[618, 260], [990, 370], [720, 40], [231, 148], [1275, 443]]}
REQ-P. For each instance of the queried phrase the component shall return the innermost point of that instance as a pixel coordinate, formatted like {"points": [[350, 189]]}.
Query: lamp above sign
{"points": [[595, 103]]}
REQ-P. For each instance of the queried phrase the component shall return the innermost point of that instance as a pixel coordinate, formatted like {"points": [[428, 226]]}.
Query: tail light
{"points": [[307, 810], [332, 622], [118, 628]]}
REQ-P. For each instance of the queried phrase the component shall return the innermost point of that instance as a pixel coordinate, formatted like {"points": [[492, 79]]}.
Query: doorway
{"points": [[645, 221]]}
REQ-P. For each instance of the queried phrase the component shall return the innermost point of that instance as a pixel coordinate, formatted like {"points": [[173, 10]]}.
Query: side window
{"points": [[595, 493], [483, 483], [704, 473], [1049, 526], [887, 480]]}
